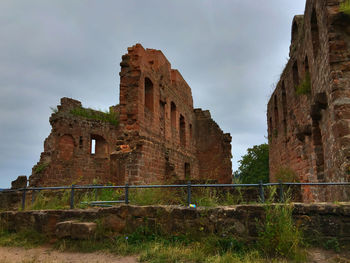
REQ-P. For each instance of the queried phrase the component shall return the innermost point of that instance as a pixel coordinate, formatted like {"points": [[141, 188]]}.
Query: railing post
{"points": [[72, 197], [281, 192], [189, 193], [261, 190], [33, 196], [126, 193], [24, 198]]}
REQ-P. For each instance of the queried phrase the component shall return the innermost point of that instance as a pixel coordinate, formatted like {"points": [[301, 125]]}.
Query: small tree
{"points": [[254, 166]]}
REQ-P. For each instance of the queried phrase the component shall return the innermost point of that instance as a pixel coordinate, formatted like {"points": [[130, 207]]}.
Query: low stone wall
{"points": [[321, 221]]}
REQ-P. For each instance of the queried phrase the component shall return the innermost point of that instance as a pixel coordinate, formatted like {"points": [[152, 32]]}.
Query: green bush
{"points": [[107, 116], [286, 174], [278, 236], [40, 167], [345, 7]]}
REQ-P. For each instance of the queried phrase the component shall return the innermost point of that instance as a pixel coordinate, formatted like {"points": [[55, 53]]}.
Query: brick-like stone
{"points": [[160, 137], [320, 48]]}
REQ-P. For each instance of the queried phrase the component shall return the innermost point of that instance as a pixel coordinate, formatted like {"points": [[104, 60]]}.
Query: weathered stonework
{"points": [[319, 222], [159, 137], [309, 112]]}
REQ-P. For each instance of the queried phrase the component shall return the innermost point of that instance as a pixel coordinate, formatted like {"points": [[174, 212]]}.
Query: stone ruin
{"points": [[308, 113], [153, 136]]}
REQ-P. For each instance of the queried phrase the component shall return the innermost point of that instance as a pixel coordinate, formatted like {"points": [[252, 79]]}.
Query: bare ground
{"points": [[46, 255]]}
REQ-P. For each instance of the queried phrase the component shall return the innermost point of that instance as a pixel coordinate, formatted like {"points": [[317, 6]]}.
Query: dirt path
{"points": [[46, 255]]}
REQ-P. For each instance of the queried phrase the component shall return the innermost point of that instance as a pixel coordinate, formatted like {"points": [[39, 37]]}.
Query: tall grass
{"points": [[107, 116], [345, 7], [278, 235]]}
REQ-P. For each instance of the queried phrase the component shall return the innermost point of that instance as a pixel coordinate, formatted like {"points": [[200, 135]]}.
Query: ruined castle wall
{"points": [[213, 149], [156, 102], [68, 157], [304, 133], [159, 138]]}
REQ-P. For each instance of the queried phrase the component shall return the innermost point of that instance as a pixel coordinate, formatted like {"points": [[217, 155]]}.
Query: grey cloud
{"points": [[229, 52]]}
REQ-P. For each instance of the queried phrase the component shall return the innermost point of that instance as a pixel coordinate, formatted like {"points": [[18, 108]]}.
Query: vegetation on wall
{"points": [[40, 167], [254, 166], [305, 86], [286, 174], [107, 116], [345, 7]]}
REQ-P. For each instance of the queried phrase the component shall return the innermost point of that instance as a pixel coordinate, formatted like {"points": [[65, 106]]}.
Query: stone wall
{"points": [[68, 157], [320, 221], [160, 137], [308, 113]]}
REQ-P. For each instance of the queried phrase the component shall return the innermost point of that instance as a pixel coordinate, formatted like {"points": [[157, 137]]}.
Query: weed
{"points": [[40, 167], [26, 238], [332, 244], [345, 7], [45, 200], [107, 116], [286, 174], [305, 86], [54, 109], [278, 236]]}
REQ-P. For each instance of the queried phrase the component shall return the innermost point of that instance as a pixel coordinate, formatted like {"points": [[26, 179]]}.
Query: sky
{"points": [[230, 52]]}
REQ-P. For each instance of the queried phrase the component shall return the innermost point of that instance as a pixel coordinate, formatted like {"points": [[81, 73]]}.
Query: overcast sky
{"points": [[230, 52]]}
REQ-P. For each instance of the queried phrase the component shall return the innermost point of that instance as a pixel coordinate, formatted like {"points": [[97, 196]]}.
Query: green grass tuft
{"points": [[40, 167], [107, 116], [345, 7], [305, 86]]}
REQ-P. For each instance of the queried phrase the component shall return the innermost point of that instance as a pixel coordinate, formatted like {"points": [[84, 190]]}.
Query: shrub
{"points": [[345, 7], [40, 167], [107, 116], [305, 86], [278, 236], [286, 174]]}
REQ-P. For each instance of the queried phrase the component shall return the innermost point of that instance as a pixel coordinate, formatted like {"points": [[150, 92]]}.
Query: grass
{"points": [[305, 86], [106, 116], [151, 247], [345, 7], [28, 238], [279, 240], [203, 197], [50, 200], [278, 235], [40, 167]]}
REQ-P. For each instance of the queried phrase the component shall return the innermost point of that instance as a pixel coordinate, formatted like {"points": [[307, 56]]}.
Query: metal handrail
{"points": [[189, 186]]}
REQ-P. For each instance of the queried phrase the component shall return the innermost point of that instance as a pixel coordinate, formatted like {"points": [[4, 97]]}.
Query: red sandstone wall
{"points": [[159, 139], [308, 133], [165, 121], [67, 153], [213, 149]]}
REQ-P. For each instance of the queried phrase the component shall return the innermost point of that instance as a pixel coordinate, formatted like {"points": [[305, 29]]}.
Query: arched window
{"points": [[295, 74], [295, 30], [148, 94], [276, 112], [173, 114], [284, 107], [182, 130], [315, 33]]}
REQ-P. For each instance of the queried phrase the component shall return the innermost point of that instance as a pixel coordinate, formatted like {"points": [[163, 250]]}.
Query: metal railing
{"points": [[187, 186]]}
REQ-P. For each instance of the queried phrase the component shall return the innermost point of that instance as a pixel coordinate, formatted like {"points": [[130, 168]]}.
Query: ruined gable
{"points": [[308, 113], [158, 138]]}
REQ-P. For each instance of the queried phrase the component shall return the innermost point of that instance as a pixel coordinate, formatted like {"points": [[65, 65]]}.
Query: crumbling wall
{"points": [[213, 148], [156, 102], [308, 114], [156, 139], [68, 157]]}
